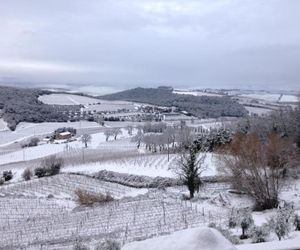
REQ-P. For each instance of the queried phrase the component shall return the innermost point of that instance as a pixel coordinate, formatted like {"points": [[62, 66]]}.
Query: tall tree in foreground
{"points": [[257, 167], [191, 165]]}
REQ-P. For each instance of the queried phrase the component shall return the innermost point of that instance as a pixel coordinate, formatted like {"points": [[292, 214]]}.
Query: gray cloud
{"points": [[140, 42]]}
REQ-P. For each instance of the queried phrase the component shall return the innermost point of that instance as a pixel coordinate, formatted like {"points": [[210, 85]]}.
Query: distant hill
{"points": [[201, 106], [22, 105]]}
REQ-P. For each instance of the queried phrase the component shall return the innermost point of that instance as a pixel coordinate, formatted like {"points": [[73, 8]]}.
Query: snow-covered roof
{"points": [[65, 133]]}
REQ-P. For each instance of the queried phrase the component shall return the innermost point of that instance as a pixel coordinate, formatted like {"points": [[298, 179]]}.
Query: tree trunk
{"points": [[192, 191]]}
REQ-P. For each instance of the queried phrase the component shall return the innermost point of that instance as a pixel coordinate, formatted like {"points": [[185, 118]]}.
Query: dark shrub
{"points": [[297, 222], [40, 172], [7, 175], [109, 245], [27, 174], [88, 199], [52, 165], [33, 142]]}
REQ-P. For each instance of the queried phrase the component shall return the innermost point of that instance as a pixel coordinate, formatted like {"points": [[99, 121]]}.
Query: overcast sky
{"points": [[184, 43]]}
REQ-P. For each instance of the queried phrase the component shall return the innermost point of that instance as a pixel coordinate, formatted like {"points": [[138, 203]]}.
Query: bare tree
{"points": [[129, 129], [138, 138], [27, 174], [191, 165], [116, 132], [185, 136], [108, 133], [85, 139], [257, 167]]}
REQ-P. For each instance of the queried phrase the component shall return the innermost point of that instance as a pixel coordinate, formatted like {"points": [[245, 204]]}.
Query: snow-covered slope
{"points": [[189, 239]]}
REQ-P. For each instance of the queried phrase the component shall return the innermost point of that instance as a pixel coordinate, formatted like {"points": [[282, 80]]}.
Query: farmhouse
{"points": [[64, 135]]}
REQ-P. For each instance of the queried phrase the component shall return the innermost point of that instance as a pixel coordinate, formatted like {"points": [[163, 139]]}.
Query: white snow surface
{"points": [[27, 130], [40, 151], [189, 239], [194, 93], [266, 97], [290, 244], [145, 165], [67, 99], [3, 125], [289, 98], [88, 102]]}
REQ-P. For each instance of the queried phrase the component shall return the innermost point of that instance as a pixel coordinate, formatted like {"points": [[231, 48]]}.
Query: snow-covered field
{"points": [[145, 165], [43, 213], [88, 102], [289, 98], [3, 125], [26, 130], [67, 99], [97, 142], [266, 97], [257, 111], [195, 93]]}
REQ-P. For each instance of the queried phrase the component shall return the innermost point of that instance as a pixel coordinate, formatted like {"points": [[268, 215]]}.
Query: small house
{"points": [[64, 135]]}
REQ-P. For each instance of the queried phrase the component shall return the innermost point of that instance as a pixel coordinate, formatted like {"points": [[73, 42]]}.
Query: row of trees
{"points": [[112, 132], [200, 106]]}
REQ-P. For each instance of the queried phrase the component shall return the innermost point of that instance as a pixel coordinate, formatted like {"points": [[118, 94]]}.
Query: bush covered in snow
{"points": [[297, 222], [86, 198], [245, 221], [27, 174], [109, 245], [281, 222], [33, 142], [259, 234], [226, 233], [80, 246], [137, 181], [49, 166], [214, 139]]}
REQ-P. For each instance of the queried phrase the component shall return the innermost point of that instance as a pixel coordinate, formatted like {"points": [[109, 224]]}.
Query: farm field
{"points": [[258, 111], [195, 93], [27, 130], [147, 197], [88, 102], [144, 165], [289, 98], [266, 97]]}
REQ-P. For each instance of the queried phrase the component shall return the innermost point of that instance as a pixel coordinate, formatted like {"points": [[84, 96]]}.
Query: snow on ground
{"points": [[63, 187], [189, 239], [289, 98], [67, 99], [40, 151], [258, 111], [88, 102], [194, 93], [290, 244], [148, 165], [266, 97], [26, 130], [3, 125]]}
